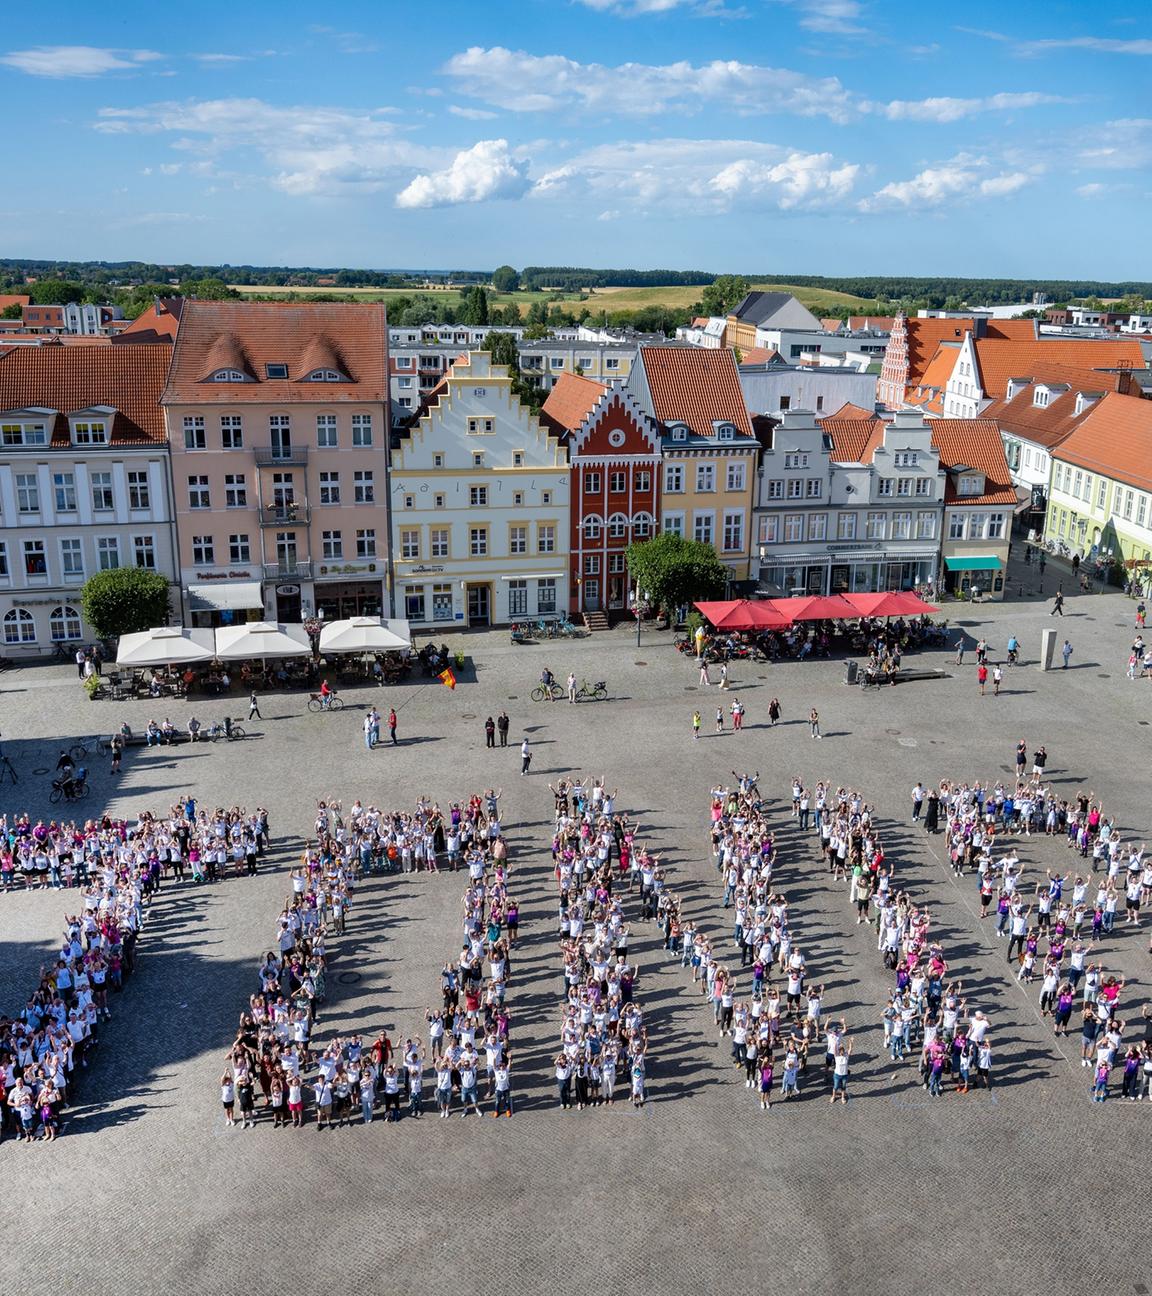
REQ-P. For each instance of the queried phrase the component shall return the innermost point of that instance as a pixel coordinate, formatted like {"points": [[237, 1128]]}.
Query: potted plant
{"points": [[92, 687]]}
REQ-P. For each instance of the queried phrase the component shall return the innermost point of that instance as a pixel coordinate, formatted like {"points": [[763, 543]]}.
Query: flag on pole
{"points": [[447, 678]]}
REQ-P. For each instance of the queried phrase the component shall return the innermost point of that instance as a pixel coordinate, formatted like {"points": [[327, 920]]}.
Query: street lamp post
{"points": [[639, 600]]}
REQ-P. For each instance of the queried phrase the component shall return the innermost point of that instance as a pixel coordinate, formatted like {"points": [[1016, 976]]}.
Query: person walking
{"points": [[704, 672], [960, 649], [997, 677], [525, 757], [982, 677], [368, 730], [696, 726], [254, 706], [502, 728], [1058, 603], [814, 723], [1066, 652], [1140, 611], [392, 726], [723, 675], [572, 688], [489, 732], [773, 712]]}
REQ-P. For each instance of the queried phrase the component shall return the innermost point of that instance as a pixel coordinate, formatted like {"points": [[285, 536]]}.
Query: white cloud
{"points": [[945, 109], [1097, 44], [962, 179], [1123, 144], [307, 150], [482, 173], [643, 8], [522, 82], [1092, 190], [471, 114], [801, 180], [683, 176], [222, 58], [836, 17], [76, 60]]}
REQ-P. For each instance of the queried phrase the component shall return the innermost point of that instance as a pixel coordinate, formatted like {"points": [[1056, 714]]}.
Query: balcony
{"points": [[276, 456], [300, 569], [298, 513]]}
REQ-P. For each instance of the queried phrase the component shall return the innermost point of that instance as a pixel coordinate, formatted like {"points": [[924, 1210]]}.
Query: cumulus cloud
{"points": [[76, 60], [961, 179], [471, 114], [306, 150], [522, 82], [946, 109], [682, 176], [482, 173], [1120, 145]]}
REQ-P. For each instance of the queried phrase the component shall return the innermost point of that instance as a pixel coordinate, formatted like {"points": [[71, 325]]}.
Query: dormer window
{"points": [[724, 431], [276, 370], [1040, 398], [23, 434], [1084, 401], [229, 375], [678, 431], [89, 432], [325, 375], [970, 484]]}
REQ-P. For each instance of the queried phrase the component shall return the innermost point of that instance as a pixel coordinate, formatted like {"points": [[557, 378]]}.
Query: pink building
{"points": [[278, 422]]}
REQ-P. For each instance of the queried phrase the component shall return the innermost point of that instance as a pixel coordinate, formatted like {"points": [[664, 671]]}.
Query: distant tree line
{"points": [[573, 278]]}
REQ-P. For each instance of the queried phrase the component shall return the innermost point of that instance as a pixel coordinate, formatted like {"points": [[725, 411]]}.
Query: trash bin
{"points": [[850, 672]]}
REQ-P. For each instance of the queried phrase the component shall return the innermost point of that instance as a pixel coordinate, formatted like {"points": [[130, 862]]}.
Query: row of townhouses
{"points": [[247, 452]]}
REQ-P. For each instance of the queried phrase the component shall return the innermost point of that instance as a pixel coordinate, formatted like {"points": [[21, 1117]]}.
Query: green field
{"points": [[821, 301]]}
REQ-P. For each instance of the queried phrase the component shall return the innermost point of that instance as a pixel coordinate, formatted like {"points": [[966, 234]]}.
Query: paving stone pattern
{"points": [[700, 1191]]}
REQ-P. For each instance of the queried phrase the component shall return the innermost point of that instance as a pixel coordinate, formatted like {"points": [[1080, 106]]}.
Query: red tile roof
{"points": [[997, 361], [13, 299], [1048, 425], [925, 336], [68, 379], [1114, 439], [974, 443], [571, 399], [853, 436], [759, 355], [695, 386], [157, 324], [850, 411], [250, 335]]}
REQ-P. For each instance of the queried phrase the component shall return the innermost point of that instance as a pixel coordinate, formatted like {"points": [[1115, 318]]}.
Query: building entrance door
{"points": [[479, 605]]}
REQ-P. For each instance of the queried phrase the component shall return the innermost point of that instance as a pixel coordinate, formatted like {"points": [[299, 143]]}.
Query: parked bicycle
{"points": [[547, 693], [228, 729], [597, 692], [317, 703], [80, 747]]}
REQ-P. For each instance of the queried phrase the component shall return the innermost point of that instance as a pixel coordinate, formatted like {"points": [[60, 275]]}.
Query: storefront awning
{"points": [[534, 576], [973, 562], [227, 596]]}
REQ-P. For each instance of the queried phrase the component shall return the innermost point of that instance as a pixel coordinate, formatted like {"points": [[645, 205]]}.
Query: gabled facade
{"points": [[615, 460], [480, 499], [708, 449], [277, 415], [84, 483]]}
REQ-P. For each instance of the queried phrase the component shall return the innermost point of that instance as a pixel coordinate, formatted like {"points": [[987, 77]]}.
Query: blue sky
{"points": [[811, 136]]}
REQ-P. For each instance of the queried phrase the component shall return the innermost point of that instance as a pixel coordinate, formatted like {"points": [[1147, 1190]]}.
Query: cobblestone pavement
{"points": [[1015, 1191]]}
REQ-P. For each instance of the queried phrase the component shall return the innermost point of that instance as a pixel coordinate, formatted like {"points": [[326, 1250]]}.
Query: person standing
{"points": [[254, 706], [737, 715], [80, 655], [368, 730], [374, 716], [572, 688], [696, 726], [773, 712], [917, 801], [982, 677], [932, 812], [814, 723], [719, 719], [1066, 652], [392, 726], [1140, 611], [525, 757], [704, 672], [502, 728], [1058, 603], [723, 675], [489, 732], [960, 648]]}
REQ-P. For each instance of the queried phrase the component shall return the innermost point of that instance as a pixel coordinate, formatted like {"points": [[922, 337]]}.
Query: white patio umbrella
{"points": [[260, 639], [360, 634], [164, 645]]}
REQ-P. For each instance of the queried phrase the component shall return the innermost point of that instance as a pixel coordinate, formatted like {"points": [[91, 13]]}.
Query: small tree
{"points": [[12, 312], [505, 279], [124, 600], [673, 571]]}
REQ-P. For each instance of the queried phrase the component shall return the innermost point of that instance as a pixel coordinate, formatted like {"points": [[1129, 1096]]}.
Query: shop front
{"points": [[975, 575], [349, 589], [223, 597]]}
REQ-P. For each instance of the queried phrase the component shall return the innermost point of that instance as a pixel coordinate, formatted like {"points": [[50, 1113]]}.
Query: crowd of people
{"points": [[349, 1079], [1054, 923], [603, 1035], [115, 867]]}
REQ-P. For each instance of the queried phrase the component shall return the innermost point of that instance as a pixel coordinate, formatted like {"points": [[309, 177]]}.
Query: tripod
{"points": [[7, 768]]}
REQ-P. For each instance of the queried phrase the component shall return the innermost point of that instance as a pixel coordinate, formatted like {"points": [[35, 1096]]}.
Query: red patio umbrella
{"points": [[912, 605], [885, 604], [815, 607], [741, 614]]}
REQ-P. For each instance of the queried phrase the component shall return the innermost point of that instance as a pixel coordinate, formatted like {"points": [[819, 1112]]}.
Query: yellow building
{"points": [[709, 450]]}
